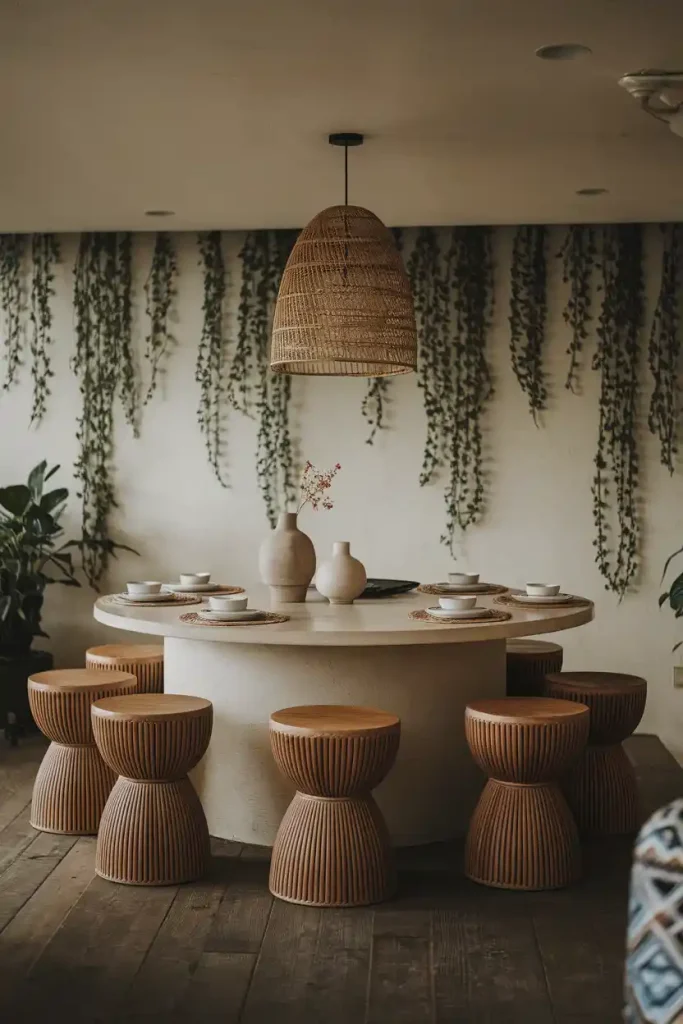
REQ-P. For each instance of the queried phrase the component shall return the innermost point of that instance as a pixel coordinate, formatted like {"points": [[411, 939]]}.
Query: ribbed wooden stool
{"points": [[332, 847], [73, 782], [601, 788], [153, 829], [522, 834], [528, 663], [145, 661]]}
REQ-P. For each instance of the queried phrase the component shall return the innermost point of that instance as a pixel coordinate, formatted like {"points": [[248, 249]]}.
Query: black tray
{"points": [[387, 588]]}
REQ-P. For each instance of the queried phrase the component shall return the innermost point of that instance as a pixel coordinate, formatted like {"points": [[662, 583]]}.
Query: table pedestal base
{"points": [[433, 787]]}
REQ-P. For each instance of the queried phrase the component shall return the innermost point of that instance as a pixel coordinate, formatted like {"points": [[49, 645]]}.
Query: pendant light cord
{"points": [[346, 175]]}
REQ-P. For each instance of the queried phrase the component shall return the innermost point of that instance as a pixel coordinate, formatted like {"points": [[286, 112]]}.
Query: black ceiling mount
{"points": [[346, 139]]}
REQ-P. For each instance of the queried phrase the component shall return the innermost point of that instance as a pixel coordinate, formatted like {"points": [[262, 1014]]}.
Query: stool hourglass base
{"points": [[70, 790], [603, 793], [522, 837], [332, 852], [152, 833]]}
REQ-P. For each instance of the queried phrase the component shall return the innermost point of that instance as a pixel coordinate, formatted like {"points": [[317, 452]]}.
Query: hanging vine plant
{"points": [[104, 367], [44, 255], [470, 270], [212, 354], [252, 387], [579, 259], [615, 482], [664, 349], [528, 311], [12, 300], [425, 272], [372, 407], [454, 304], [160, 296], [378, 388]]}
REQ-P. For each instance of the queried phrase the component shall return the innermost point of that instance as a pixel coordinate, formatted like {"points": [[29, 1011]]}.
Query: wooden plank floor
{"points": [[74, 947]]}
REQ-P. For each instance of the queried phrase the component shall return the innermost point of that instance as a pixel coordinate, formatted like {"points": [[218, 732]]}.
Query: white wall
{"points": [[539, 523]]}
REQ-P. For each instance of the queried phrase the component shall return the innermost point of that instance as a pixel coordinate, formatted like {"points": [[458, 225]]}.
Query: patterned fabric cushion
{"points": [[654, 956]]}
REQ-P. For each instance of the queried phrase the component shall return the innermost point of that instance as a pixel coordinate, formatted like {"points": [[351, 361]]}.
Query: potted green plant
{"points": [[674, 595], [32, 555]]}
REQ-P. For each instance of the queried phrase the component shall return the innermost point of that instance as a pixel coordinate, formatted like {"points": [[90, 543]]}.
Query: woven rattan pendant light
{"points": [[344, 307]]}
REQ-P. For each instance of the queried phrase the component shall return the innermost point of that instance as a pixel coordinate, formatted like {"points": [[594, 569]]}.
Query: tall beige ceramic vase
{"points": [[342, 578], [287, 561]]}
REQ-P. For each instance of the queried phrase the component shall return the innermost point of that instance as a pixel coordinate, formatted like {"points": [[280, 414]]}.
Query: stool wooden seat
{"points": [[153, 829], [332, 847], [522, 834], [601, 788], [144, 661], [528, 662], [73, 782]]}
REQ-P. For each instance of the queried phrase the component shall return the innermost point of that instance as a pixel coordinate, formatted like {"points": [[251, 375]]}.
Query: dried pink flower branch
{"points": [[314, 485]]}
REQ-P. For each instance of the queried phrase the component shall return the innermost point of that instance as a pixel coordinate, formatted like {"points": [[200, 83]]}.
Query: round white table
{"points": [[370, 653]]}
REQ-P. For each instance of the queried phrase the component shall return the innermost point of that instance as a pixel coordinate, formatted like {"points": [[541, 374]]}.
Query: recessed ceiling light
{"points": [[159, 213], [592, 191], [563, 51]]}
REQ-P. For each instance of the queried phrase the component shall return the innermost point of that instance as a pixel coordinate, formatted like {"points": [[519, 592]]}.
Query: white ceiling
{"points": [[220, 110]]}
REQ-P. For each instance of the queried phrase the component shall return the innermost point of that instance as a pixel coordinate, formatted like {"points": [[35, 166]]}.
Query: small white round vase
{"points": [[342, 577]]}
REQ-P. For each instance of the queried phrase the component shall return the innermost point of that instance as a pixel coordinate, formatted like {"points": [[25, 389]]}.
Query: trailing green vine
{"points": [[528, 311], [160, 295], [372, 407], [453, 292], [378, 388], [579, 259], [212, 353], [251, 383], [615, 482], [12, 300], [470, 273], [104, 367], [664, 349], [44, 255], [425, 272]]}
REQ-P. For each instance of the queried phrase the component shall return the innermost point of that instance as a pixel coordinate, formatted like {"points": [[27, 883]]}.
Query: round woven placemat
{"points": [[221, 589], [571, 602], [437, 590], [423, 616], [192, 619], [177, 599]]}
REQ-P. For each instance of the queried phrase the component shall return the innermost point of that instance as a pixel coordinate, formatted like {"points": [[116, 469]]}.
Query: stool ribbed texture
{"points": [[522, 834], [528, 663], [153, 829], [73, 782], [601, 788], [144, 661], [332, 847]]}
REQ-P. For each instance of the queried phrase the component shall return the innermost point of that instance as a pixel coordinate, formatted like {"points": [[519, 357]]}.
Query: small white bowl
{"points": [[228, 603], [463, 577], [189, 579], [542, 589], [143, 587], [457, 604]]}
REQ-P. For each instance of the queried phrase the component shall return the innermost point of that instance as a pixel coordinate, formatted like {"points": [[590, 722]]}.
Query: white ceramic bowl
{"points": [[228, 603], [190, 579], [542, 589], [463, 577], [140, 587], [457, 604]]}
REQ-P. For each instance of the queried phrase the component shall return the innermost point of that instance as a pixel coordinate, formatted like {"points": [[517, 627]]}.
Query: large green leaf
{"points": [[676, 593], [16, 499], [36, 479], [5, 605], [54, 498]]}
